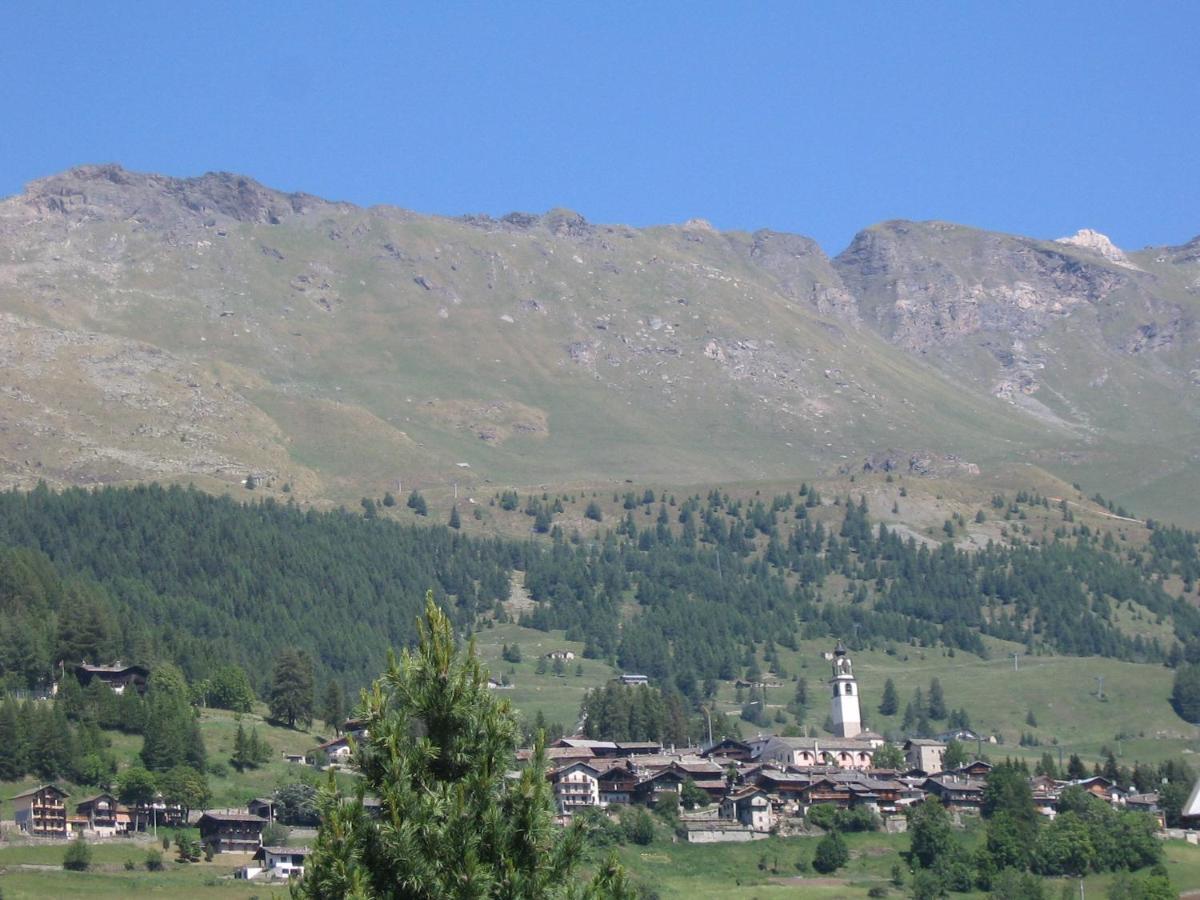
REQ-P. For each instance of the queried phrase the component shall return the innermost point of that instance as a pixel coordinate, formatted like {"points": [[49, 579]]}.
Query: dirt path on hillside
{"points": [[1105, 513]]}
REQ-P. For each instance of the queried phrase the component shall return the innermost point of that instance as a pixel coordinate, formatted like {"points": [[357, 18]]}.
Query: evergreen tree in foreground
{"points": [[451, 825]]}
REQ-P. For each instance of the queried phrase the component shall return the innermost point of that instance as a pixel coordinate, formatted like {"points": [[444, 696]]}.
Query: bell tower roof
{"points": [[840, 649]]}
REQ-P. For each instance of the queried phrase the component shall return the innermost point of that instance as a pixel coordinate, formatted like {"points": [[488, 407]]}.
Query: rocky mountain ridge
{"points": [[545, 347]]}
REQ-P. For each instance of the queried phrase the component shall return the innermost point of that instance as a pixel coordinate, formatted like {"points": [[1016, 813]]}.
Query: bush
{"points": [[1013, 885], [600, 830], [878, 890], [832, 853], [823, 815], [639, 827], [154, 861], [275, 835], [78, 856], [296, 804], [130, 865], [927, 885]]}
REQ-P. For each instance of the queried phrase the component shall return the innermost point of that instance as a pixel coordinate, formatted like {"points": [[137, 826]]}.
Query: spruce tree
{"points": [[936, 708], [451, 825], [258, 749], [889, 703], [241, 751], [291, 695], [333, 707], [14, 754]]}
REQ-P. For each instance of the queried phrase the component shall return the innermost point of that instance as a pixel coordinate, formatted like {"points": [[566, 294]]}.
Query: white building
{"points": [[808, 752], [749, 806], [847, 719], [576, 786], [276, 862]]}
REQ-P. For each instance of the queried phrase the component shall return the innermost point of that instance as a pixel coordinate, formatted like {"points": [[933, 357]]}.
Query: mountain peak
{"points": [[1088, 239], [110, 192]]}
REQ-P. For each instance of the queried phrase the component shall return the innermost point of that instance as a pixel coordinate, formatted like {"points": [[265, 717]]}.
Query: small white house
{"points": [[749, 806], [276, 862], [337, 751], [565, 655]]}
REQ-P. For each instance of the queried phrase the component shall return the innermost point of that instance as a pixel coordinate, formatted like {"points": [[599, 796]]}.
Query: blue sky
{"points": [[815, 118]]}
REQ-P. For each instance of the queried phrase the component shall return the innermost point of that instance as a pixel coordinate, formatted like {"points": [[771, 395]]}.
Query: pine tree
{"points": [[889, 703], [291, 695], [14, 741], [455, 522], [936, 708], [170, 733], [468, 831], [333, 708], [241, 759], [417, 503], [1075, 768], [260, 750]]}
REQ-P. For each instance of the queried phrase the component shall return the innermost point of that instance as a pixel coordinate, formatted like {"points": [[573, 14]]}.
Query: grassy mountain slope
{"points": [[211, 328], [1104, 346]]}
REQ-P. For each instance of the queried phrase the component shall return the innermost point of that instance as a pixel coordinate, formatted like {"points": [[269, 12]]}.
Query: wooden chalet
{"points": [[42, 811], [117, 676], [102, 815], [974, 769], [617, 784], [609, 749], [956, 792], [263, 807], [649, 790], [728, 748], [1147, 804], [231, 832]]}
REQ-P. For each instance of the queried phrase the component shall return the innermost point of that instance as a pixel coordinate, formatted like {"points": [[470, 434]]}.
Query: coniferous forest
{"points": [[152, 574]]}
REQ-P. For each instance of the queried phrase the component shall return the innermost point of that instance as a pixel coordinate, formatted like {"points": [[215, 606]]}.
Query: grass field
{"points": [[556, 696], [762, 869]]}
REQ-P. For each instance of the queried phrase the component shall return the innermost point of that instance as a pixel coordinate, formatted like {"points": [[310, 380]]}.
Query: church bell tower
{"points": [[847, 721]]}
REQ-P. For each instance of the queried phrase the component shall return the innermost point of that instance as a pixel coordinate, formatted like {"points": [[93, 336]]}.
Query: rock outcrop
{"points": [[926, 284], [1098, 243]]}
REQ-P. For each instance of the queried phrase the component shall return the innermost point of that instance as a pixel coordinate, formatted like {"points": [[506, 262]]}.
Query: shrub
{"points": [[639, 827], [154, 861], [275, 835], [823, 815], [78, 856], [832, 853]]}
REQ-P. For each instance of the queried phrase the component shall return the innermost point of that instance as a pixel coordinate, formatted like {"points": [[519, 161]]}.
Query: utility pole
{"points": [[1100, 687], [1015, 657]]}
